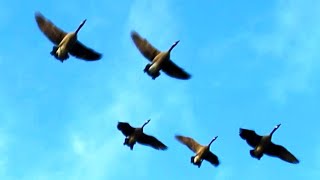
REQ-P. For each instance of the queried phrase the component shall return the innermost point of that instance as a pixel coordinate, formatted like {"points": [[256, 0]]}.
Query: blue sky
{"points": [[254, 65]]}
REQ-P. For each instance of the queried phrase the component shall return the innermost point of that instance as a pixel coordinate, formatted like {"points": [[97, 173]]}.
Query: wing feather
{"points": [[151, 141], [125, 128], [212, 158], [281, 152], [252, 138], [52, 32], [145, 48], [189, 142], [82, 52], [173, 70]]}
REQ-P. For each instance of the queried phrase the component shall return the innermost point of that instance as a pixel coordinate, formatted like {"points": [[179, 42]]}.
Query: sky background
{"points": [[253, 65]]}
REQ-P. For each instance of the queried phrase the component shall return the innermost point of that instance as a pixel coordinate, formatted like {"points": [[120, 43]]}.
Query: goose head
{"points": [[212, 141], [145, 123], [174, 45], [80, 26], [274, 129]]}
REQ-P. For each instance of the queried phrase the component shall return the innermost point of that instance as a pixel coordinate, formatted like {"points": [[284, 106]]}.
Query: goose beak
{"points": [[84, 21], [277, 126], [177, 42], [215, 138]]}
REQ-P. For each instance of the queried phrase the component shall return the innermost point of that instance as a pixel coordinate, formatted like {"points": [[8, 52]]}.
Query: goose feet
{"points": [[255, 155], [125, 141], [55, 54], [54, 50], [192, 159], [154, 76], [196, 163], [147, 68]]}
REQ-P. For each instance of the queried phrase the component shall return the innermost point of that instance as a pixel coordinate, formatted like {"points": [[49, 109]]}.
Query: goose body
{"points": [[202, 152], [159, 60], [134, 135], [65, 43], [263, 145], [61, 51]]}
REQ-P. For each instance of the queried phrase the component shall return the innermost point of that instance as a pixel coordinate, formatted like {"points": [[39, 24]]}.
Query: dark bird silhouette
{"points": [[134, 135], [159, 60], [264, 145], [202, 152], [65, 43]]}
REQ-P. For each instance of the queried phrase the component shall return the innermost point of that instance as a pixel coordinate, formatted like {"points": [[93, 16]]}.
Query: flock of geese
{"points": [[68, 43]]}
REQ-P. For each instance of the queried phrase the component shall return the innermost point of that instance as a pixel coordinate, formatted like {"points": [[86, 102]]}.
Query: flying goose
{"points": [[264, 145], [159, 60], [202, 152], [65, 42], [134, 135]]}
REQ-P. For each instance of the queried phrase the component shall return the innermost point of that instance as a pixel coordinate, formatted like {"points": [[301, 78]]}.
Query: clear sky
{"points": [[253, 65]]}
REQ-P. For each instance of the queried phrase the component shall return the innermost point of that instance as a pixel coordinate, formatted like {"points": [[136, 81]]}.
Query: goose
{"points": [[202, 152], [159, 60], [65, 43], [134, 135], [264, 145]]}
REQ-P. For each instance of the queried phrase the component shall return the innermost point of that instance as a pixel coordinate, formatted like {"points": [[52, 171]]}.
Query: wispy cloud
{"points": [[95, 145], [293, 40]]}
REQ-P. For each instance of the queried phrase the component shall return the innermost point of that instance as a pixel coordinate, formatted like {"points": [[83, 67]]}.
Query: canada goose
{"points": [[134, 135], [159, 60], [202, 152], [65, 42], [263, 145]]}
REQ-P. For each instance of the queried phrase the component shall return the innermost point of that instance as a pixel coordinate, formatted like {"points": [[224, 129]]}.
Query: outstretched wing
{"points": [[145, 48], [250, 136], [151, 141], [173, 70], [125, 128], [53, 33], [189, 142], [82, 52], [281, 152], [212, 158]]}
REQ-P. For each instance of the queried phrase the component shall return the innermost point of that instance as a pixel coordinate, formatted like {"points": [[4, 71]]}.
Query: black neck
{"points": [[212, 140], [145, 123], [80, 27], [174, 45]]}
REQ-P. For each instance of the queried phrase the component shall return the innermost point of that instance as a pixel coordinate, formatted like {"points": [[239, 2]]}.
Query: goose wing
{"points": [[145, 48], [189, 142], [125, 128], [53, 33], [173, 70], [212, 158], [82, 52], [281, 152], [151, 141], [252, 138]]}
